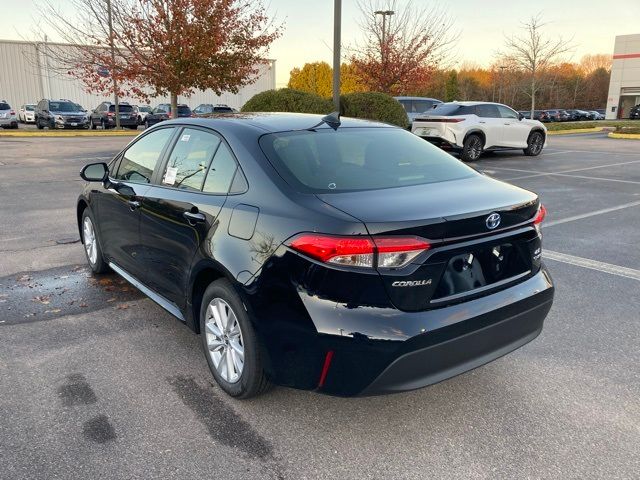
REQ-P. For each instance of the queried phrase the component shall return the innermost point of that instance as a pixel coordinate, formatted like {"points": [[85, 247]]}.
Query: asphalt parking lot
{"points": [[99, 382]]}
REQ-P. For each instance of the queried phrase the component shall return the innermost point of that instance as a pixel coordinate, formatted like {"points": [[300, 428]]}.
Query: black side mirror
{"points": [[520, 116], [95, 172]]}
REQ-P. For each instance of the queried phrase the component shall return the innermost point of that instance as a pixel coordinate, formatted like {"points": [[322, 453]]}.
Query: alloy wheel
{"points": [[224, 340], [90, 242], [536, 144], [475, 148]]}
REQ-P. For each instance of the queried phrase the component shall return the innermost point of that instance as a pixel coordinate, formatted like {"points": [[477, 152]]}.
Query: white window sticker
{"points": [[170, 175], [185, 138]]}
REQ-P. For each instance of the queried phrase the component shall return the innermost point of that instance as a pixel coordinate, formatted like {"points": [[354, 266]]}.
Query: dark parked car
{"points": [[163, 112], [344, 256], [579, 115], [558, 115], [60, 114], [414, 106], [208, 109], [634, 113], [105, 116]]}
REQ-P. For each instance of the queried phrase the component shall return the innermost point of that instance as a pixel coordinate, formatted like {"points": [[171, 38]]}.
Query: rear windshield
{"points": [[121, 108], [449, 109], [4, 106], [184, 110], [222, 109], [144, 109], [29, 108], [349, 159], [64, 107]]}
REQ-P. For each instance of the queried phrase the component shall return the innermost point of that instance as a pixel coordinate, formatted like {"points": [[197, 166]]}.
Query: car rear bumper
{"points": [[376, 348], [6, 122]]}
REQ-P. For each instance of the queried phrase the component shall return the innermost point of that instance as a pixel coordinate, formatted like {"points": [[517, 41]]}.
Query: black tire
{"points": [[472, 149], [252, 381], [535, 144], [139, 120], [146, 124], [39, 125], [103, 124], [98, 265], [93, 125]]}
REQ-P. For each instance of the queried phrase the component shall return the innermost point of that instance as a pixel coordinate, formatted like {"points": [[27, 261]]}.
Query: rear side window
{"points": [[141, 158], [4, 106], [190, 158], [352, 159], [184, 110], [420, 106], [221, 172], [486, 110]]}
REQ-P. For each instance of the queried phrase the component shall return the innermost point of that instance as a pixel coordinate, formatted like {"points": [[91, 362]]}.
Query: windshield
{"points": [[183, 110], [349, 159], [64, 107], [29, 108], [144, 109], [4, 106]]}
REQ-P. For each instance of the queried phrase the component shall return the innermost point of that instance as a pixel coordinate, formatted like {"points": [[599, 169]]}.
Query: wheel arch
{"points": [[537, 129], [476, 131], [202, 275], [80, 208]]}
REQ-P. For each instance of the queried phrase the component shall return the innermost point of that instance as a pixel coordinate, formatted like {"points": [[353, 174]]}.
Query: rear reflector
{"points": [[391, 252], [542, 212], [325, 368]]}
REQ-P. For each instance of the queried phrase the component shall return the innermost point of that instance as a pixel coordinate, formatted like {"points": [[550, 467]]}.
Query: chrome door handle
{"points": [[134, 204], [194, 218]]}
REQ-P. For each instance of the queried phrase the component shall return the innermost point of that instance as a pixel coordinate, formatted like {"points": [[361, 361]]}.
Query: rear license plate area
{"points": [[481, 269]]}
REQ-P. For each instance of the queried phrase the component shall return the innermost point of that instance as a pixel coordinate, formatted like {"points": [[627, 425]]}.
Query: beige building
{"points": [[624, 88], [28, 75]]}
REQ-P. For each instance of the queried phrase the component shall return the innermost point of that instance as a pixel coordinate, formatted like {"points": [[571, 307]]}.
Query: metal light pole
{"points": [[113, 64], [385, 14], [337, 20], [501, 67]]}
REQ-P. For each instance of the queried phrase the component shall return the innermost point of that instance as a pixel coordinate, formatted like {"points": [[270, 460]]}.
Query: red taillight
{"points": [[169, 114], [325, 368], [391, 252], [110, 114], [12, 112], [540, 214]]}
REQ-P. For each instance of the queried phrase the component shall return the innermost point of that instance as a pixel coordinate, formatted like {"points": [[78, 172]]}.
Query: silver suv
{"points": [[8, 117]]}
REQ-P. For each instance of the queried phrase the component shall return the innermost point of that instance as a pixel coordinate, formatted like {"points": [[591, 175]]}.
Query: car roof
{"points": [[271, 122], [474, 103], [418, 98]]}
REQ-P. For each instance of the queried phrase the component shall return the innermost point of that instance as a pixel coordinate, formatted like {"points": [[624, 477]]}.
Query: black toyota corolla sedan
{"points": [[341, 255]]}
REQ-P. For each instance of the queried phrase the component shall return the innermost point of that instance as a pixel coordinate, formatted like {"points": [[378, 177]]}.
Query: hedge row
{"points": [[370, 105]]}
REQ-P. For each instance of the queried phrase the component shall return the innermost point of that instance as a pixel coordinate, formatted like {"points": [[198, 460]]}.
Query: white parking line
{"points": [[593, 264], [589, 214]]}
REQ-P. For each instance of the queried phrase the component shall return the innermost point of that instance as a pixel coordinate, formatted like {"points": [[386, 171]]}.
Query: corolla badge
{"points": [[493, 221]]}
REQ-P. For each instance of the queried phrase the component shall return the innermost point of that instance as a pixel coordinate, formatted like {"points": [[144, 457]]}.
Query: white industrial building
{"points": [[27, 75], [624, 87]]}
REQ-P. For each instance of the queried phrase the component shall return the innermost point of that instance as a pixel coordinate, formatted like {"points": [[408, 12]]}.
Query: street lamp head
{"points": [[384, 12]]}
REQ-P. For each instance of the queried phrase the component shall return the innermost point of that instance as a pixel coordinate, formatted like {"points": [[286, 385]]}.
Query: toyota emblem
{"points": [[493, 221]]}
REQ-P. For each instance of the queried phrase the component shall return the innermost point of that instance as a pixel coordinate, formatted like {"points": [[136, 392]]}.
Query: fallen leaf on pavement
{"points": [[43, 299]]}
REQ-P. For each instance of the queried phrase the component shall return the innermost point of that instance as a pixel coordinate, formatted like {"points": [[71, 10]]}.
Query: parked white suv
{"points": [[471, 128]]}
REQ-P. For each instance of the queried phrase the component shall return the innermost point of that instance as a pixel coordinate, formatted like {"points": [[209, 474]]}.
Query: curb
{"points": [[69, 133], [628, 136], [575, 130]]}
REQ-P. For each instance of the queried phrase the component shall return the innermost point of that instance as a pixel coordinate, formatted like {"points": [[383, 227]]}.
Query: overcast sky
{"points": [[308, 34]]}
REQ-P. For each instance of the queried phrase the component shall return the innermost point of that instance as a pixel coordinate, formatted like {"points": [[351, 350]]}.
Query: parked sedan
{"points": [[558, 115], [142, 111], [579, 115], [26, 114], [338, 255], [163, 112], [8, 117]]}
